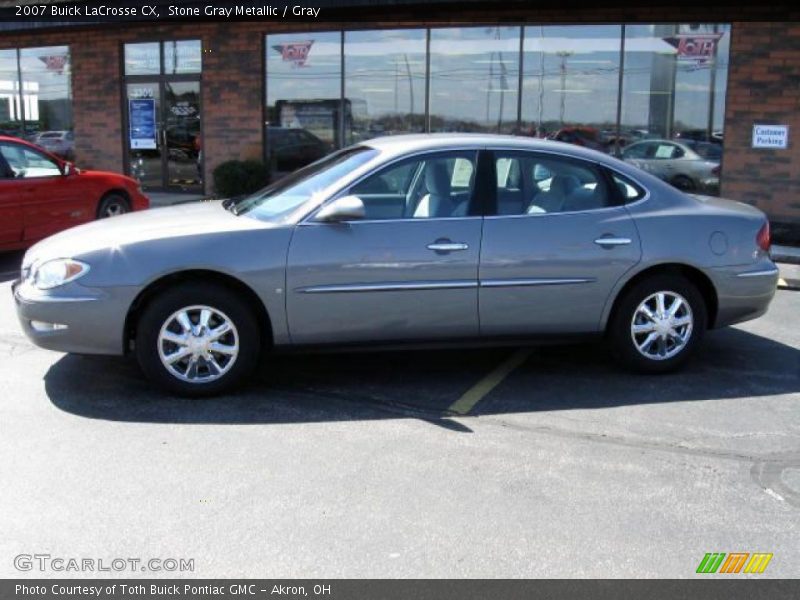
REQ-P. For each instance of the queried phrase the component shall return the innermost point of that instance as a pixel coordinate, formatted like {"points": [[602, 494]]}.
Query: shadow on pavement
{"points": [[422, 384]]}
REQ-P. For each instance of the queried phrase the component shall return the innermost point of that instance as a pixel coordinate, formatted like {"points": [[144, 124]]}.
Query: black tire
{"points": [[113, 204], [684, 183], [620, 326], [215, 296]]}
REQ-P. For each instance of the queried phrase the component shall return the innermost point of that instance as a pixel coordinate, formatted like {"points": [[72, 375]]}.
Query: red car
{"points": [[41, 194]]}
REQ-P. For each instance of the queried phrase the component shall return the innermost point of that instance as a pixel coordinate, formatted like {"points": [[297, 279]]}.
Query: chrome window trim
{"points": [[307, 218]]}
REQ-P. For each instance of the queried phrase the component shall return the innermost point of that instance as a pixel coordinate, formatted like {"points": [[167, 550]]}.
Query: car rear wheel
{"points": [[658, 324], [684, 183], [197, 340], [113, 204]]}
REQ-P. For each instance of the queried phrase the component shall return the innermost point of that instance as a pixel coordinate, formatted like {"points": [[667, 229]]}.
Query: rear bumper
{"points": [[744, 292], [76, 319]]}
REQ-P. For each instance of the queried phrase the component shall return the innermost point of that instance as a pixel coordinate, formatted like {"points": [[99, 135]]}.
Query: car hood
{"points": [[108, 175], [196, 218]]}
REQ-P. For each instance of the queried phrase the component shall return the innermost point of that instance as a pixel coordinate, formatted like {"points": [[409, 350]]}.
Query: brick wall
{"points": [[763, 88]]}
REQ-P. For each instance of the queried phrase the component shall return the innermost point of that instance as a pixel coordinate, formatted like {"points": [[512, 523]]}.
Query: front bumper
{"points": [[744, 292], [75, 319]]}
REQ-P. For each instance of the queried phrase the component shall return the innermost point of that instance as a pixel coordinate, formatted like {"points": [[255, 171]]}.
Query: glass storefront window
{"points": [[384, 82], [36, 97], [143, 59], [47, 98], [674, 82], [304, 98], [570, 84], [474, 79], [603, 87], [10, 105], [182, 56]]}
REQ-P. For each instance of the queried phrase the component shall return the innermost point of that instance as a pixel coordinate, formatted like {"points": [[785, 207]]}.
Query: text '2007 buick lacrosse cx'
{"points": [[423, 239]]}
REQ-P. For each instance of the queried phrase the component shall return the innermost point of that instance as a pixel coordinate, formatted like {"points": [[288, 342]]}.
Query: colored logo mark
{"points": [[735, 562]]}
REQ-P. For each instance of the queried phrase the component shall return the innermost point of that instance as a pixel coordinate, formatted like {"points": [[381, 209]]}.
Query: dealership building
{"points": [[167, 101]]}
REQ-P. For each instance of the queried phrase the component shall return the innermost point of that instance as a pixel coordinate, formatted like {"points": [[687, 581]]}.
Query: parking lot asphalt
{"points": [[507, 462]]}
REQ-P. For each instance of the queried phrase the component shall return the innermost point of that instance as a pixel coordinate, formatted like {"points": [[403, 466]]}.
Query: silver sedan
{"points": [[434, 239]]}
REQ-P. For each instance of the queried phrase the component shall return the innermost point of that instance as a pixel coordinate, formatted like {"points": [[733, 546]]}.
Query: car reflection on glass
{"points": [[291, 148], [689, 166]]}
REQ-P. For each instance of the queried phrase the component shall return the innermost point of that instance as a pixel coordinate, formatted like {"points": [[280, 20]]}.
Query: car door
{"points": [[50, 201], [10, 207], [550, 265], [407, 271]]}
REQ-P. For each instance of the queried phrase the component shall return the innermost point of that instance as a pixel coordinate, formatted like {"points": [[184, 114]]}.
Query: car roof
{"points": [[415, 142]]}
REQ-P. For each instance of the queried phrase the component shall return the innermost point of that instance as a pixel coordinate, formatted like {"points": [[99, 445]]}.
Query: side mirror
{"points": [[346, 208], [70, 169]]}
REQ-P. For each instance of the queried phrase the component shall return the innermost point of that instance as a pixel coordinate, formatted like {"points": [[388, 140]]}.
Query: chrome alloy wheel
{"points": [[662, 325], [198, 344]]}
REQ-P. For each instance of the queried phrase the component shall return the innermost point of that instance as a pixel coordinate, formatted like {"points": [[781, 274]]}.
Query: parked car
{"points": [[588, 137], [689, 166], [699, 135], [60, 143], [291, 148], [467, 238], [41, 194]]}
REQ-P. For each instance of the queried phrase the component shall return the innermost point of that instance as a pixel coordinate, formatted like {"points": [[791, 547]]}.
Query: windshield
{"points": [[285, 195]]}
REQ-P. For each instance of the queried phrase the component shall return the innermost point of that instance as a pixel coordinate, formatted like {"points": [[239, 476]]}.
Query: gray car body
{"points": [[376, 281]]}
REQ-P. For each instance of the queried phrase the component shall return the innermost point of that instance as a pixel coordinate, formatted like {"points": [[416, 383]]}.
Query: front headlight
{"points": [[54, 273]]}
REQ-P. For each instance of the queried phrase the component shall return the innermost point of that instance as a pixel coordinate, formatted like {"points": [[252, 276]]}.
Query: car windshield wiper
{"points": [[230, 205]]}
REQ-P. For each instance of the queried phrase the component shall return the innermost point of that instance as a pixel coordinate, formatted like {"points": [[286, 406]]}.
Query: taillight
{"points": [[763, 237], [715, 171]]}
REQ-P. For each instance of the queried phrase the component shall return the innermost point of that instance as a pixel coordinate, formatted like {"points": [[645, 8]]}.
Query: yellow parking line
{"points": [[782, 283], [475, 394]]}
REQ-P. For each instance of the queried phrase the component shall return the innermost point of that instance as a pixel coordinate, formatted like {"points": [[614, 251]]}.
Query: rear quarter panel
{"points": [[715, 237]]}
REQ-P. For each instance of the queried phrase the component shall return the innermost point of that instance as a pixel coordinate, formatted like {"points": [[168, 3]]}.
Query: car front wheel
{"points": [[112, 205], [197, 340], [658, 324]]}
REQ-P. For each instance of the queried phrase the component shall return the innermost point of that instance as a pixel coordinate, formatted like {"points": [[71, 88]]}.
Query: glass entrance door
{"points": [[145, 159], [164, 144], [182, 135]]}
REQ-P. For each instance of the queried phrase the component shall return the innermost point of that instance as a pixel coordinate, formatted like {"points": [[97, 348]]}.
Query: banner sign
{"points": [[699, 48], [142, 117], [54, 62], [294, 52]]}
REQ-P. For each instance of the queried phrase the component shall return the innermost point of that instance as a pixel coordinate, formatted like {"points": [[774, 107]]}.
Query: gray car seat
{"points": [[554, 199], [437, 202]]}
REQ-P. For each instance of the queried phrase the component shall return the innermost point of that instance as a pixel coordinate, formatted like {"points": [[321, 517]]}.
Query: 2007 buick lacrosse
{"points": [[424, 239]]}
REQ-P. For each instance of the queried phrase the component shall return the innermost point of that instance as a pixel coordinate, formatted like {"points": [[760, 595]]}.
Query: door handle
{"points": [[447, 246], [609, 242]]}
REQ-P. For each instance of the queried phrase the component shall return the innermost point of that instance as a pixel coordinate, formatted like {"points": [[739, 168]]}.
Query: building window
{"points": [[170, 57], [36, 97], [384, 82], [570, 85], [599, 86], [674, 81], [304, 98], [474, 75]]}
